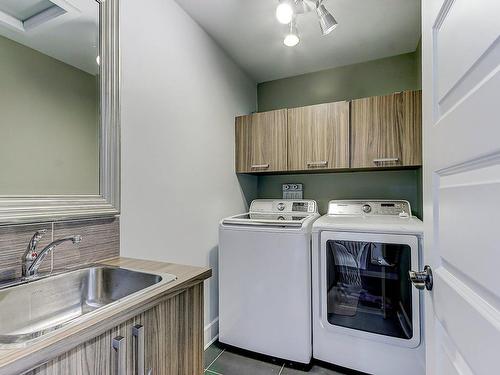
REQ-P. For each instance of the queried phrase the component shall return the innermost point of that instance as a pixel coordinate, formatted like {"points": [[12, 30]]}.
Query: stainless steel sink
{"points": [[31, 309]]}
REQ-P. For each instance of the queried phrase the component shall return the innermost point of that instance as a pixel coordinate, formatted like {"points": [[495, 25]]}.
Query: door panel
{"points": [[468, 252], [461, 84], [452, 34], [386, 131], [268, 146], [318, 137], [261, 142], [243, 126], [468, 321]]}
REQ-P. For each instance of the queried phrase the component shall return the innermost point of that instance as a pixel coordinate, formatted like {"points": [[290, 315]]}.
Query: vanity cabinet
{"points": [[261, 142], [318, 137], [386, 131], [172, 333]]}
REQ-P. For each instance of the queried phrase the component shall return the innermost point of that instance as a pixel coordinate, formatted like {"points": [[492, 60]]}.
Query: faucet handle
{"points": [[35, 239]]}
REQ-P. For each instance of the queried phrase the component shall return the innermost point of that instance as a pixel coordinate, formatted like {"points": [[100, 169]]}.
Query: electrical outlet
{"points": [[292, 191]]}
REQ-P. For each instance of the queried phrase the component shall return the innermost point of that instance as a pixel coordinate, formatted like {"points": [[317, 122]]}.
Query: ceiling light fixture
{"points": [[285, 11], [326, 21], [292, 38]]}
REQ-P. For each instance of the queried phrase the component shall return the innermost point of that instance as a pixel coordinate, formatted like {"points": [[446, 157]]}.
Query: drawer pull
{"points": [[120, 347], [138, 334], [322, 163], [386, 160], [260, 166]]}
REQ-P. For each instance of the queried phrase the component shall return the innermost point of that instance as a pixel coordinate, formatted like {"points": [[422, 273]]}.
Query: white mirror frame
{"points": [[25, 209]]}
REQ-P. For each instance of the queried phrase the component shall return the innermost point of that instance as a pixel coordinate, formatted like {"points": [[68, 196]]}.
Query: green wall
{"points": [[49, 133], [378, 77], [401, 184]]}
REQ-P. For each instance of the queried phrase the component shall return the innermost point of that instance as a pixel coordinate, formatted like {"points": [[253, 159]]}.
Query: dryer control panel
{"points": [[284, 205], [373, 207]]}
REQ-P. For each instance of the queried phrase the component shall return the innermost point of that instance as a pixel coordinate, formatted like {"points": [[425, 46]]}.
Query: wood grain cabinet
{"points": [[318, 137], [261, 142], [386, 131], [166, 339]]}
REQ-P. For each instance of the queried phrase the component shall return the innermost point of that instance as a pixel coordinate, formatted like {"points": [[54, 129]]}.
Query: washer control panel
{"points": [[375, 207], [304, 206]]}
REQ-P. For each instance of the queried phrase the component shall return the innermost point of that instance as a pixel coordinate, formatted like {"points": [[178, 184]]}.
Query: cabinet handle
{"points": [[322, 163], [120, 346], [138, 334], [260, 166], [385, 160]]}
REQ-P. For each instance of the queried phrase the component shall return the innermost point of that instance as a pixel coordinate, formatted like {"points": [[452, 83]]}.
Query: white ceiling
{"points": [[251, 35], [71, 38]]}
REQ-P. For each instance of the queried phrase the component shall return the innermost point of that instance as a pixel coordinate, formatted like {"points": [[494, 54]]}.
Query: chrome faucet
{"points": [[30, 253], [32, 260]]}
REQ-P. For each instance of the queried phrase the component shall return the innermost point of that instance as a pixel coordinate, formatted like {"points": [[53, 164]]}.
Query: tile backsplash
{"points": [[101, 240]]}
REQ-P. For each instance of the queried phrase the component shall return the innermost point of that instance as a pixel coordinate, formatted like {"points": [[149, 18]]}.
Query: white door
{"points": [[461, 89]]}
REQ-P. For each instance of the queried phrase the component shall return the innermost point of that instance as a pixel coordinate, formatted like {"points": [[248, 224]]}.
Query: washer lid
{"points": [[267, 219], [369, 224]]}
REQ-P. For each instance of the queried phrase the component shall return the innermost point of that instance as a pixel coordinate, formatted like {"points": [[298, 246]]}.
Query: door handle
{"points": [[120, 347], [260, 166], [423, 279], [385, 160], [322, 163], [138, 334]]}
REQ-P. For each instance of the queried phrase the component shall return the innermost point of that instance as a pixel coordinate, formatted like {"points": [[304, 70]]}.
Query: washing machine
{"points": [[265, 279], [367, 316]]}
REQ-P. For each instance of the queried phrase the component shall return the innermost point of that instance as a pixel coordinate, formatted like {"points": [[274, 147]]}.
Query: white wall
{"points": [[180, 93]]}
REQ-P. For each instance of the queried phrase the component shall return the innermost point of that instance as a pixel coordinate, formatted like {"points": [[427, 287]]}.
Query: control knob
{"points": [[366, 208], [280, 206]]}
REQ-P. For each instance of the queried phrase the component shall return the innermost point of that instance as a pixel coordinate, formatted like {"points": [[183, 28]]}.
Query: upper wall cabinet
{"points": [[261, 142], [318, 137], [386, 131]]}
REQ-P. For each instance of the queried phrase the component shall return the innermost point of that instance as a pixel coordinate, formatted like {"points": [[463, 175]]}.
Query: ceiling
{"points": [[249, 32], [71, 38]]}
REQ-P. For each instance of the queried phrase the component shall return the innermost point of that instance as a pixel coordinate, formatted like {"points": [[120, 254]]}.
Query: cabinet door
{"points": [[261, 141], [94, 357], [174, 334], [318, 137], [386, 131]]}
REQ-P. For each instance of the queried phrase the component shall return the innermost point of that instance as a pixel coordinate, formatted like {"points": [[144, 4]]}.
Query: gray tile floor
{"points": [[219, 361]]}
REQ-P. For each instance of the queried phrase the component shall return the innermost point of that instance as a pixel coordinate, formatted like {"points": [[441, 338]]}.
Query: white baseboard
{"points": [[211, 332]]}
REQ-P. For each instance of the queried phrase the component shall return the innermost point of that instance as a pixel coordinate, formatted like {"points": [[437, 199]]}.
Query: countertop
{"points": [[19, 360]]}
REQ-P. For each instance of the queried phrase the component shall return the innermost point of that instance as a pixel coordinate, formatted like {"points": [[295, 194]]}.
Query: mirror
{"points": [[49, 143], [59, 129]]}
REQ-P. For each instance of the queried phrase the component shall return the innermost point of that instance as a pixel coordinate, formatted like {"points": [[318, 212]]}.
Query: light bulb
{"points": [[291, 40], [284, 13]]}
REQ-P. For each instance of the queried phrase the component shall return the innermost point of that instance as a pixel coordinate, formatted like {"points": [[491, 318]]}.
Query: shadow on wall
{"points": [[213, 297], [249, 187], [394, 184]]}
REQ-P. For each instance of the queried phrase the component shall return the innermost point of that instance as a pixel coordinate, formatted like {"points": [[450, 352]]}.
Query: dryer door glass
{"points": [[368, 287]]}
